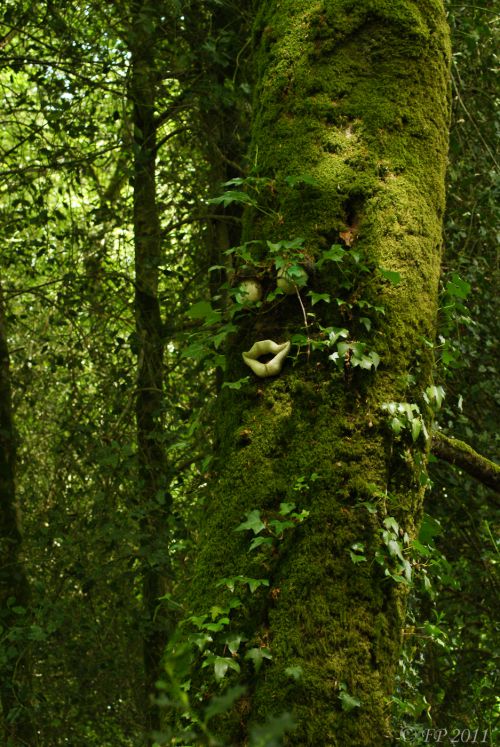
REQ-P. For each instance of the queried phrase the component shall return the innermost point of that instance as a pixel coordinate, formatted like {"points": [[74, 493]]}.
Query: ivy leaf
{"points": [[203, 310], [221, 665], [278, 527], [254, 583], [395, 549], [394, 278], [375, 358], [222, 703], [233, 643], [316, 297], [391, 523], [257, 655], [416, 428], [258, 541], [335, 333], [349, 702], [286, 508], [434, 395], [357, 558], [236, 384], [279, 247], [270, 733], [231, 196], [253, 522], [429, 528], [294, 181], [335, 253], [457, 287], [397, 426]]}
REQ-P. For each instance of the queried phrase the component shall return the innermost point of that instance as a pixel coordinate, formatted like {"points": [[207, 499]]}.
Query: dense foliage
{"points": [[68, 274]]}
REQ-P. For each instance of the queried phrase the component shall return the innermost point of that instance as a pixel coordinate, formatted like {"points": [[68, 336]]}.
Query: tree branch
{"points": [[458, 452]]}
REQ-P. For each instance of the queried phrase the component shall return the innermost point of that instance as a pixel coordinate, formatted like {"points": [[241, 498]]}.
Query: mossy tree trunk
{"points": [[17, 726], [354, 96], [154, 500]]}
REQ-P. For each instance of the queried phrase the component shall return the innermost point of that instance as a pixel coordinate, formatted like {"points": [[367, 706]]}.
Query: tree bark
{"points": [[14, 589], [353, 96], [154, 500]]}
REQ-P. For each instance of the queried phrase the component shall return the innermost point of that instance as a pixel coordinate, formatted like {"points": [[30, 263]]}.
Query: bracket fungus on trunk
{"points": [[266, 347]]}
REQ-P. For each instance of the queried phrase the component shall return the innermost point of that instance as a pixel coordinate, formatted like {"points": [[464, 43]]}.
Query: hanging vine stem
{"points": [[306, 325]]}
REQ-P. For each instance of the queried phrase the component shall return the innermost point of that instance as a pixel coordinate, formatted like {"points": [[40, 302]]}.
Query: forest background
{"points": [[115, 333]]}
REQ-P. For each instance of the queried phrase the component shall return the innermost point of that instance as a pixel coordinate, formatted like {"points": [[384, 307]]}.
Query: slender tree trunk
{"points": [[154, 499], [14, 590], [353, 96]]}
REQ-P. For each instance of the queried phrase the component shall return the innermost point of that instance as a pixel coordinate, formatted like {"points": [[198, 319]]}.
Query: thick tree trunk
{"points": [[354, 96], [14, 590], [153, 500]]}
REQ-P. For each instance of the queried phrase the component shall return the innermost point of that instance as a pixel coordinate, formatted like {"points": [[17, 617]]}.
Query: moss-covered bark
{"points": [[457, 452], [355, 95]]}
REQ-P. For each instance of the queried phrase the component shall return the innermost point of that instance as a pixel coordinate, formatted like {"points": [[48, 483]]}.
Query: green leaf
{"points": [[258, 541], [222, 703], [257, 656], [221, 664], [434, 395], [421, 549], [219, 338], [231, 196], [396, 425], [335, 253], [36, 633], [253, 523], [255, 583], [229, 583], [316, 297], [286, 508], [203, 310], [279, 247], [395, 549], [270, 734], [457, 287], [429, 529], [391, 523], [416, 428], [335, 333], [363, 362], [357, 558], [233, 643], [349, 702], [278, 527], [216, 627], [236, 384], [294, 181], [299, 339], [394, 278]]}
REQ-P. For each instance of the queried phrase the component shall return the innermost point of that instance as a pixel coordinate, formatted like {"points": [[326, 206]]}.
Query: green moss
{"points": [[354, 94]]}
